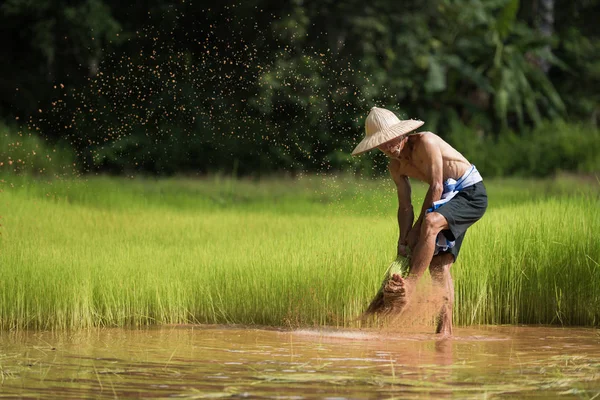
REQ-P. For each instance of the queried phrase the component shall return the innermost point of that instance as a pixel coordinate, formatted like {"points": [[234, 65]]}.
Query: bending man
{"points": [[456, 199]]}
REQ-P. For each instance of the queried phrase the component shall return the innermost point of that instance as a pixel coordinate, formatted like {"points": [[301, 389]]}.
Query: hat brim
{"points": [[385, 135]]}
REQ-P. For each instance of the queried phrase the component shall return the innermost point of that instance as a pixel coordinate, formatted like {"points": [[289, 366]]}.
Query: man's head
{"points": [[385, 131], [394, 147]]}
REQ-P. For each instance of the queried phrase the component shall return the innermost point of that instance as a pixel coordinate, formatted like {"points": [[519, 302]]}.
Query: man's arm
{"points": [[430, 153], [405, 209]]}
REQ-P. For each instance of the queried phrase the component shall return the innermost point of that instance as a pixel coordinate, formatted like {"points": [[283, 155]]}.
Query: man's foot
{"points": [[444, 331], [444, 325], [395, 294]]}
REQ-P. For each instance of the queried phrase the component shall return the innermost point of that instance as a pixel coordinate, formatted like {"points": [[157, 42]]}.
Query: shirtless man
{"points": [[456, 199]]}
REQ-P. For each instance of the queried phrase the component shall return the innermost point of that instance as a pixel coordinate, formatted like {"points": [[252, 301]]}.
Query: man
{"points": [[456, 199]]}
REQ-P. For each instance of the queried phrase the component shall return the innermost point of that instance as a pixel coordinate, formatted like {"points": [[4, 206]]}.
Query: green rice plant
{"points": [[539, 265], [116, 252]]}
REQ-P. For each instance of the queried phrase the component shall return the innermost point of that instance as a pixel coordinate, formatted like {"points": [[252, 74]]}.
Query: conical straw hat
{"points": [[381, 126]]}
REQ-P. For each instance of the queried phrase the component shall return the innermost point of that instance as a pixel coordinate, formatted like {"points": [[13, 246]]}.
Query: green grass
{"points": [[288, 252]]}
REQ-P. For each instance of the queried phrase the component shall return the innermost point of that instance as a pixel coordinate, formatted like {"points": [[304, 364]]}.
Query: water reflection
{"points": [[202, 362]]}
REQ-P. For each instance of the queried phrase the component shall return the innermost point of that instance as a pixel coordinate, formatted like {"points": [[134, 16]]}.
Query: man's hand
{"points": [[413, 237], [403, 250]]}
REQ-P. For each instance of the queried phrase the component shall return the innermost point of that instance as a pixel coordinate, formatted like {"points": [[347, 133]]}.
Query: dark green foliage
{"points": [[29, 154], [548, 149], [262, 86]]}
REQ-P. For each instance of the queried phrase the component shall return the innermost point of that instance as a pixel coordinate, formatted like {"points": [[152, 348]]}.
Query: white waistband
{"points": [[469, 178]]}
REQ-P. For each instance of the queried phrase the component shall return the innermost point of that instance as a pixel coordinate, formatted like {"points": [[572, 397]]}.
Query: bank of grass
{"points": [[309, 251]]}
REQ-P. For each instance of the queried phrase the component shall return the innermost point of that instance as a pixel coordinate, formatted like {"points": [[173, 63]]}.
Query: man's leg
{"points": [[396, 290], [423, 251], [443, 287]]}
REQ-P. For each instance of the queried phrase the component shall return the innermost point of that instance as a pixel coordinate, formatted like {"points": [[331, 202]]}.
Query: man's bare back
{"points": [[414, 159]]}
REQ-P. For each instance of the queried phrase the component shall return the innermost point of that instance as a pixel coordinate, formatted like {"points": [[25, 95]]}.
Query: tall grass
{"points": [[115, 252], [533, 263]]}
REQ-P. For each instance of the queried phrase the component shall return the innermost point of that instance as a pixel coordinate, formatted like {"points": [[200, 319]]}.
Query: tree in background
{"points": [[49, 42], [260, 86]]}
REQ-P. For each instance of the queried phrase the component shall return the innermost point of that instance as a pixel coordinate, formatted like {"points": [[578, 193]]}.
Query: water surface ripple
{"points": [[197, 362]]}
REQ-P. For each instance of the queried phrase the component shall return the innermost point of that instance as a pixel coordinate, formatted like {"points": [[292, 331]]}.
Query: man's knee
{"points": [[440, 264], [433, 224]]}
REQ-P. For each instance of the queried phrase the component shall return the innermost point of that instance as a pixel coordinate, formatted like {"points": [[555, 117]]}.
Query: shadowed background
{"points": [[256, 87]]}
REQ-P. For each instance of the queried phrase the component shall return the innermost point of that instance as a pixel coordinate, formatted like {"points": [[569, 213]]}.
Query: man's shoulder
{"points": [[426, 137]]}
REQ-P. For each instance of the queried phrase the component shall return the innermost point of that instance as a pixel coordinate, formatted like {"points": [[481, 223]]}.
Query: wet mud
{"points": [[232, 362]]}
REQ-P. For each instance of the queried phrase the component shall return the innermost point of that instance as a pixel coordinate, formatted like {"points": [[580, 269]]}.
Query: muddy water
{"points": [[224, 362]]}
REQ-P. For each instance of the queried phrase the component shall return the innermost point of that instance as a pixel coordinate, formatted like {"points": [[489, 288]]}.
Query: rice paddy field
{"points": [[285, 252]]}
